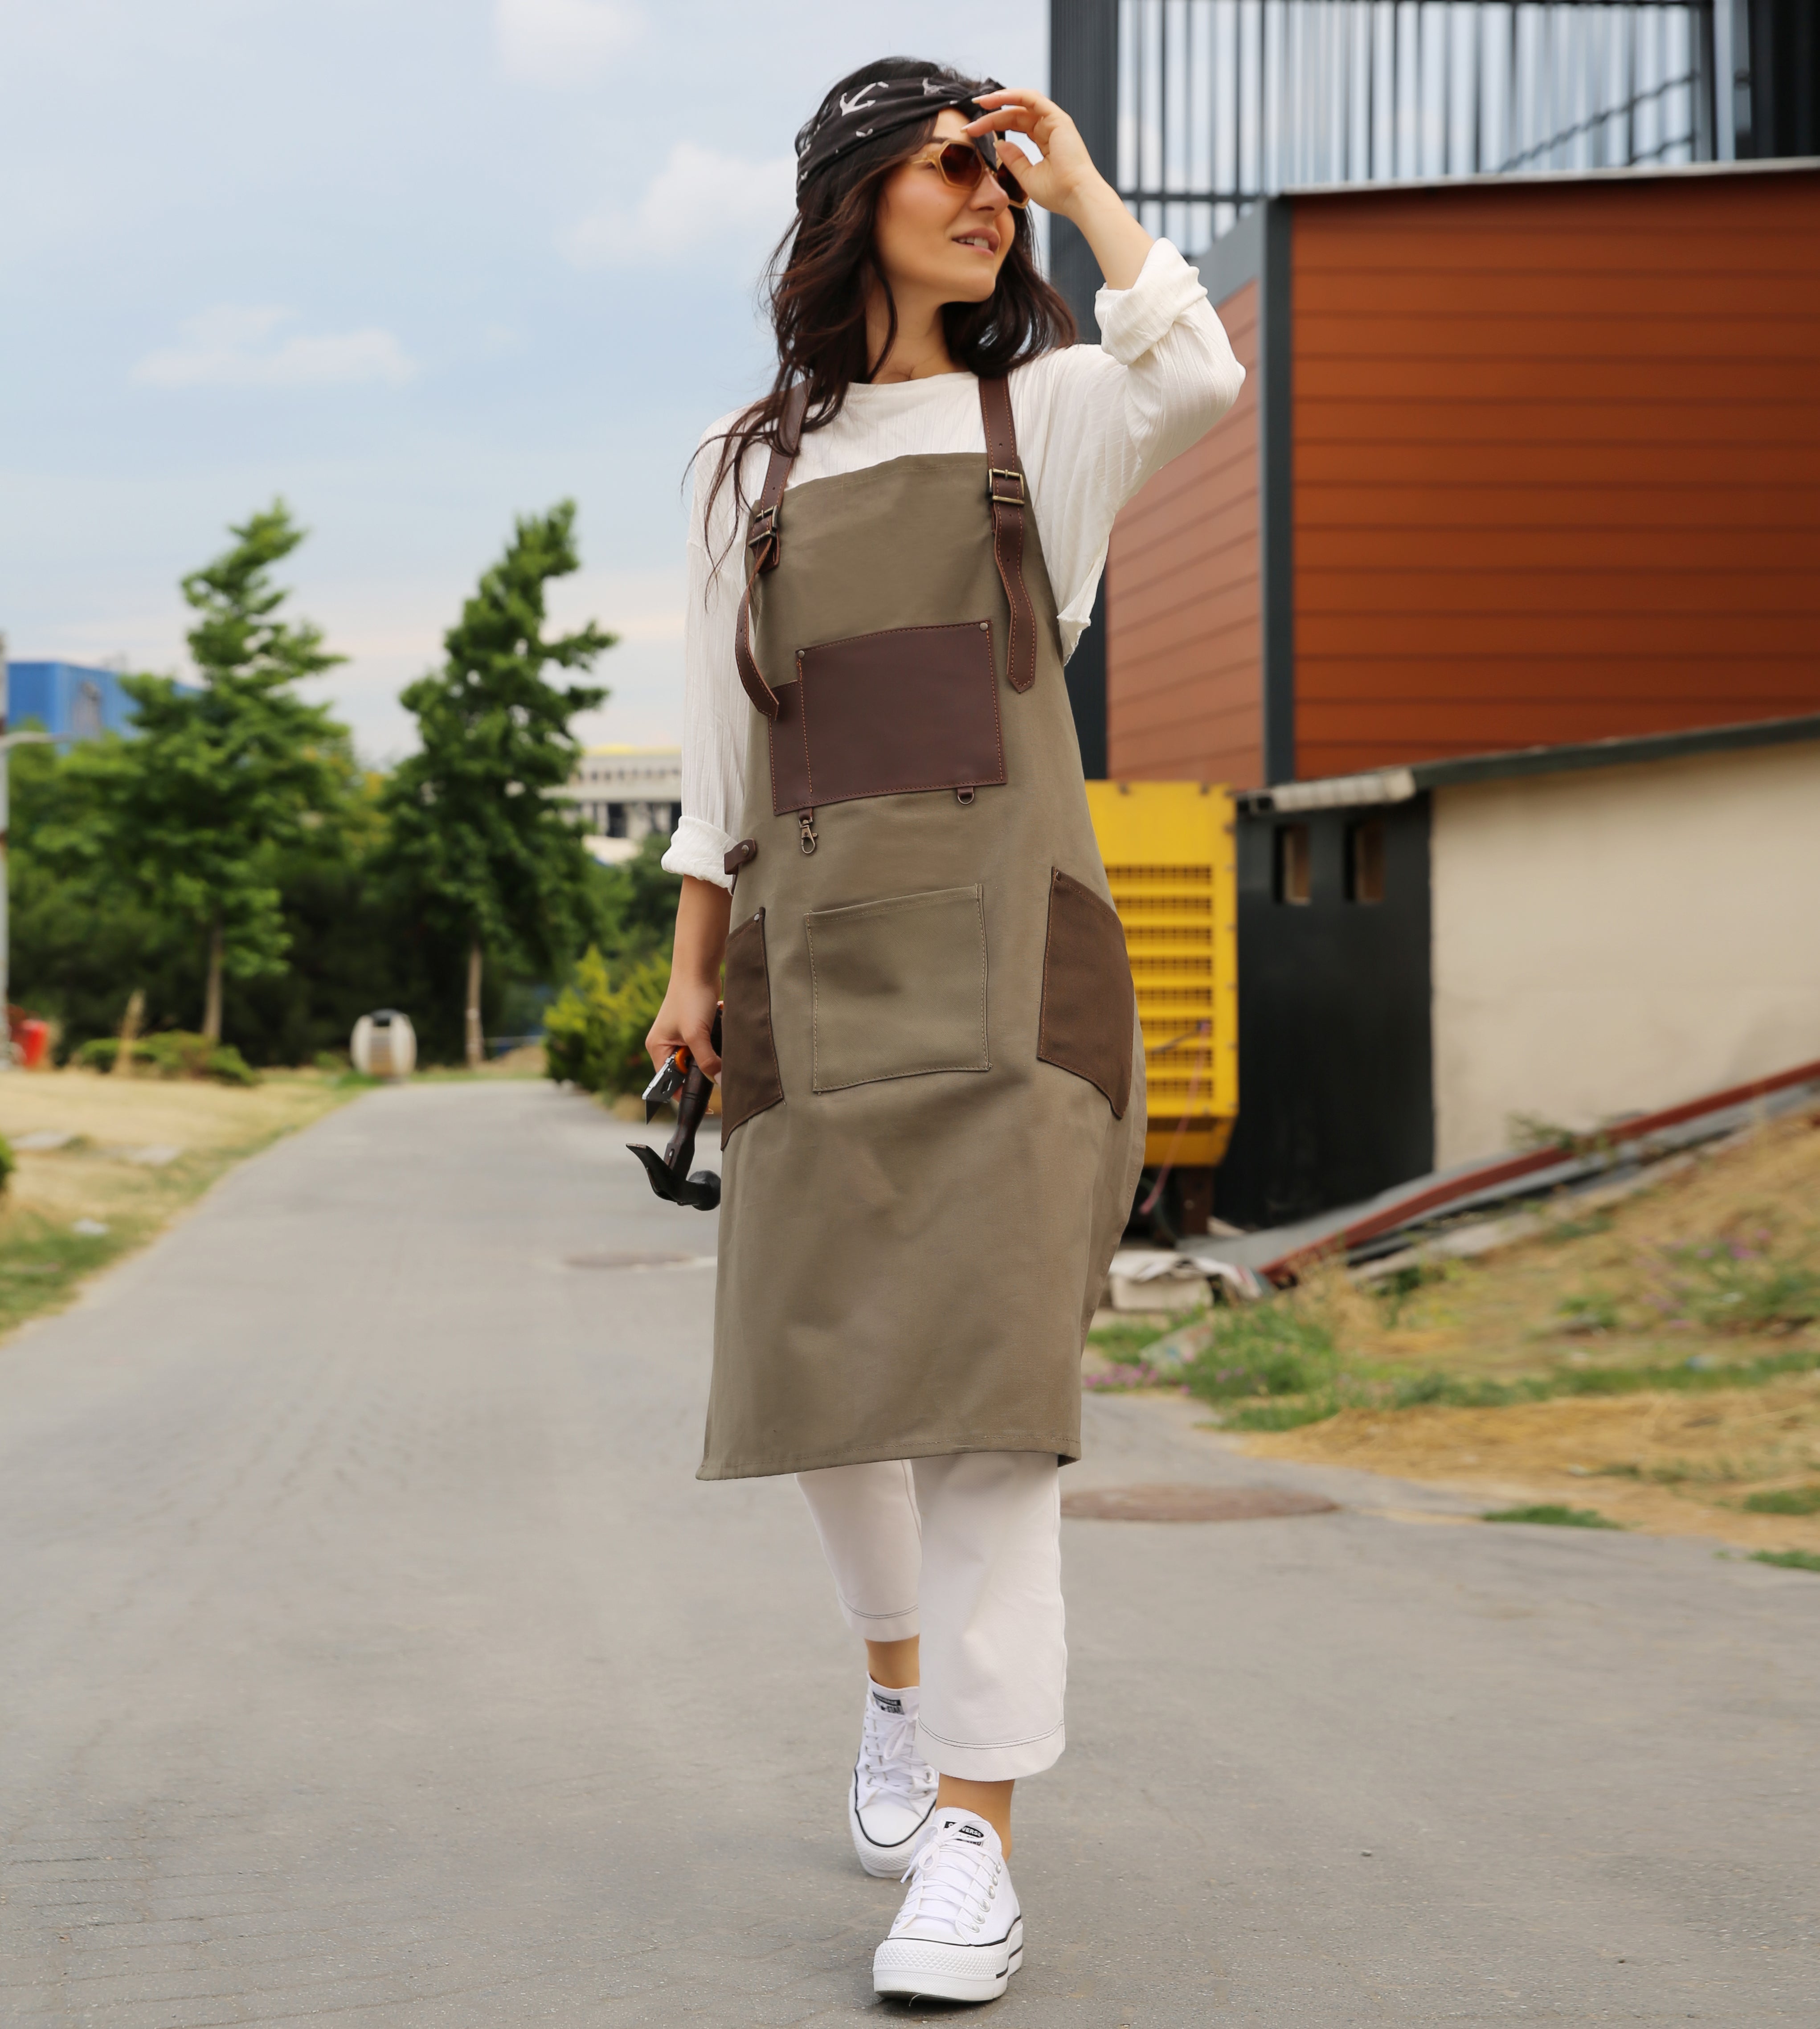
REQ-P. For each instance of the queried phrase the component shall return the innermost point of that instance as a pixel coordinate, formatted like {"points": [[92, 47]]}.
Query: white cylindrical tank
{"points": [[384, 1044]]}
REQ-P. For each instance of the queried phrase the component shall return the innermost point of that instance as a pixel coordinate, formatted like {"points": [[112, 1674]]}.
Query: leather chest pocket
{"points": [[749, 1082], [886, 715], [1088, 1000], [899, 987]]}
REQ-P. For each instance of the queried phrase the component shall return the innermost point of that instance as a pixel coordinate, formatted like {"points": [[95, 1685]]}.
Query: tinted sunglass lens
{"points": [[993, 156], [962, 165]]}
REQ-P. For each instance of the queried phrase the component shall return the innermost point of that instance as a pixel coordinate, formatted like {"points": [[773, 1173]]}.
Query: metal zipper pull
{"points": [[808, 841]]}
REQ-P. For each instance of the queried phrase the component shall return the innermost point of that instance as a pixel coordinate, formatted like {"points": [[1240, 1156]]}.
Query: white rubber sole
{"points": [[881, 1869], [917, 1969]]}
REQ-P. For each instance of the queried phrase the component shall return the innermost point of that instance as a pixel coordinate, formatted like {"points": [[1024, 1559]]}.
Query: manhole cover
{"points": [[640, 1261], [1190, 1503]]}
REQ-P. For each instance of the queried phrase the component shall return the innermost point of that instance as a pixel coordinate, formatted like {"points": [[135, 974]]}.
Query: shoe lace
{"points": [[889, 1764], [952, 1882]]}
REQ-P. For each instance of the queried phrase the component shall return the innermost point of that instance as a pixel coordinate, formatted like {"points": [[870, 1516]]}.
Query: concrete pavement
{"points": [[370, 1655]]}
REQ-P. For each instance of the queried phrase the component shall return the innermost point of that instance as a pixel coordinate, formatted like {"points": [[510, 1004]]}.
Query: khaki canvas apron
{"points": [[933, 1077]]}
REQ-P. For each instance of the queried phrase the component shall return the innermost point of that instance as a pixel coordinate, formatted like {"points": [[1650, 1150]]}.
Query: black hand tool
{"points": [[668, 1172]]}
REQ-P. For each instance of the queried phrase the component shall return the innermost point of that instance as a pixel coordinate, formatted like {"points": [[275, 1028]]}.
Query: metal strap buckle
{"points": [[764, 528], [994, 474]]}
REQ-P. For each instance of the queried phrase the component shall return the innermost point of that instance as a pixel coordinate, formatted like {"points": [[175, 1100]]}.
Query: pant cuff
{"points": [[991, 1764], [881, 1627]]}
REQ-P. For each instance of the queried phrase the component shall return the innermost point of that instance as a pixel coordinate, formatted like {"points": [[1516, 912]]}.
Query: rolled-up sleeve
{"points": [[715, 713], [1114, 414]]}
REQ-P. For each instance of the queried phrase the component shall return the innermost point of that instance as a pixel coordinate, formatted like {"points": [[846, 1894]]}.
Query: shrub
{"points": [[1269, 1348], [594, 1032], [9, 1162], [172, 1053]]}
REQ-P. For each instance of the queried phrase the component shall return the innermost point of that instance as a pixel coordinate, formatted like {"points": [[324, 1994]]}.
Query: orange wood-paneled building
{"points": [[1518, 462]]}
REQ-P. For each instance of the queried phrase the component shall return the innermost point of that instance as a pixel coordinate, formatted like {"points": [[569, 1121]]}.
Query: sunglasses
{"points": [[963, 163]]}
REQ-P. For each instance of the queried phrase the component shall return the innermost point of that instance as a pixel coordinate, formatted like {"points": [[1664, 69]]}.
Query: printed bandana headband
{"points": [[885, 106]]}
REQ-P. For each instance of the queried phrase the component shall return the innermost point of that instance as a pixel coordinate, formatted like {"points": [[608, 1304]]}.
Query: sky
{"points": [[416, 266]]}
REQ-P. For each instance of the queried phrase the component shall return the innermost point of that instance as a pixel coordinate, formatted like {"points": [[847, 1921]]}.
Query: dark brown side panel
{"points": [[888, 714], [749, 1077], [1088, 1001]]}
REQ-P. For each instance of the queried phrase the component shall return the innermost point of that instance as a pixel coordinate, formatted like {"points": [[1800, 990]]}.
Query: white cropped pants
{"points": [[966, 1552]]}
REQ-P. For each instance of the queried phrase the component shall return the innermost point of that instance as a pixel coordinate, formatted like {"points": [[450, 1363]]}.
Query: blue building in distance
{"points": [[70, 701]]}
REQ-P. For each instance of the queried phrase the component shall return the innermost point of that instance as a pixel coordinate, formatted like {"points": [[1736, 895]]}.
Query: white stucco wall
{"points": [[1621, 939]]}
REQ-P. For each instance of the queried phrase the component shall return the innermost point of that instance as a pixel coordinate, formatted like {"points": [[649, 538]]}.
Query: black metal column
{"points": [[1084, 78], [1276, 492], [1783, 64]]}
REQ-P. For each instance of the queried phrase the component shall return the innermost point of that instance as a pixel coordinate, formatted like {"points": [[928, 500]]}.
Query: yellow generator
{"points": [[1169, 855]]}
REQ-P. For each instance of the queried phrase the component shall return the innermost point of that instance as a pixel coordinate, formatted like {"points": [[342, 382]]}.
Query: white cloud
{"points": [[236, 346], [696, 197], [562, 44]]}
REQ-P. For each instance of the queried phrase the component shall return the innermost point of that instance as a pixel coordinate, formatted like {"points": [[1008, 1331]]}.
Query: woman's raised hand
{"points": [[1065, 182], [1066, 170]]}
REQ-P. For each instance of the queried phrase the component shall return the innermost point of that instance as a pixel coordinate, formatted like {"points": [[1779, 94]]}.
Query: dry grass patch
{"points": [[1654, 1360], [138, 1151], [1715, 1261], [1676, 1465]]}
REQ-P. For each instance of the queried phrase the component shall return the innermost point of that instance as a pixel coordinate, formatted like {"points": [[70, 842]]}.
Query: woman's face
{"points": [[930, 236]]}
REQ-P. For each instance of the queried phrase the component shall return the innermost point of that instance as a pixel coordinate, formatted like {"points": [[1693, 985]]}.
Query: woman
{"points": [[932, 1090]]}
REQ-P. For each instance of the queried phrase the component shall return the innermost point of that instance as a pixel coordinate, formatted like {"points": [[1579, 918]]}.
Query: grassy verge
{"points": [[1553, 1514], [130, 1155], [1667, 1347]]}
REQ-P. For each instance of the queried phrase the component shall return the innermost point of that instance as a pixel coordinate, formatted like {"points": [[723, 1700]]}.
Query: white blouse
{"points": [[1094, 422]]}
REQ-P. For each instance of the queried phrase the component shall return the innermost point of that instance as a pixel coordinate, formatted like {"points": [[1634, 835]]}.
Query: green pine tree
{"points": [[495, 859], [193, 811]]}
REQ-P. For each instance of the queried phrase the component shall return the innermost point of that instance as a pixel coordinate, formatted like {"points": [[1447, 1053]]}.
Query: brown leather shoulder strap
{"points": [[1010, 496], [765, 547]]}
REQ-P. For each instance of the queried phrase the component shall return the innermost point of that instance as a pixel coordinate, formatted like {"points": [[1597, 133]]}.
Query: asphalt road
{"points": [[368, 1655]]}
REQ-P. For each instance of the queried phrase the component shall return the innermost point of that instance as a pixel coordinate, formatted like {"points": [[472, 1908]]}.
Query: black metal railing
{"points": [[1220, 102]]}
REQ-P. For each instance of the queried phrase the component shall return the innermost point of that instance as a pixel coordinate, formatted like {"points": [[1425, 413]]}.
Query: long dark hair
{"points": [[819, 274]]}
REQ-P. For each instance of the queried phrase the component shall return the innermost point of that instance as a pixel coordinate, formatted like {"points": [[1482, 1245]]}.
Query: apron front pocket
{"points": [[750, 1080], [899, 987], [1089, 1004], [888, 714]]}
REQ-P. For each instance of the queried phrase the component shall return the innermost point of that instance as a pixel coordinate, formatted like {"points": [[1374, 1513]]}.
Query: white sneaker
{"points": [[893, 1791], [960, 1934]]}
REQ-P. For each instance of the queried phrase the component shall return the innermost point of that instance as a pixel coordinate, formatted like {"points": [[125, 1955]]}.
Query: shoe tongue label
{"points": [[967, 1831], [886, 1702]]}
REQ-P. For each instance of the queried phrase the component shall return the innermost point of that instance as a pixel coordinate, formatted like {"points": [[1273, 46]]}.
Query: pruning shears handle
{"points": [[692, 1087]]}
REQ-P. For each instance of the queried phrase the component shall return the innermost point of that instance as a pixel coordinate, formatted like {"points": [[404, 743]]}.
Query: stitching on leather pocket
{"points": [[1089, 1004], [897, 988], [896, 712], [749, 1080]]}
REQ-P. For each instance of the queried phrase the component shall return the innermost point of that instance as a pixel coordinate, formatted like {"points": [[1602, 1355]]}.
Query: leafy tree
{"points": [[192, 811], [81, 938], [635, 905], [491, 856]]}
